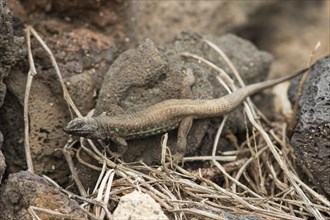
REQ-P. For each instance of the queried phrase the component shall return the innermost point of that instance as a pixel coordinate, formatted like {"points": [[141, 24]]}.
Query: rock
{"points": [[147, 75], [132, 69], [161, 21], [8, 58], [2, 160], [24, 189], [229, 216], [83, 88], [82, 66], [311, 137], [7, 46], [137, 205], [47, 114], [278, 34]]}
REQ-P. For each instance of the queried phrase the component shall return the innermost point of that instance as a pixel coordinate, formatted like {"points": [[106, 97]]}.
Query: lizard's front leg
{"points": [[183, 131], [104, 131]]}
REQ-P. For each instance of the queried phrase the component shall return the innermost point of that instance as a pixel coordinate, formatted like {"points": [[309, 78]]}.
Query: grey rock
{"points": [[162, 20], [147, 75], [311, 137], [230, 216], [2, 160], [132, 69], [8, 51]]}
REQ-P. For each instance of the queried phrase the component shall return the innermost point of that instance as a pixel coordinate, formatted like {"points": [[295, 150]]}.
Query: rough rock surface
{"points": [[137, 205], [83, 55], [267, 24], [8, 52], [229, 216], [2, 160], [311, 137], [23, 189], [162, 20], [47, 114], [147, 75]]}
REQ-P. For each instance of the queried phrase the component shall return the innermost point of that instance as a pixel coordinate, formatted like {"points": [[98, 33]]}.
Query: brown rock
{"points": [[24, 189]]}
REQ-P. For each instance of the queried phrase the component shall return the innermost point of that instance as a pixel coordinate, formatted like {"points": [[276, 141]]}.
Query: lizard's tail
{"points": [[254, 88], [238, 96]]}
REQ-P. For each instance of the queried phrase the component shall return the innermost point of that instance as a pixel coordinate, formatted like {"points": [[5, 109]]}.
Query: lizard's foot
{"points": [[190, 78], [183, 131], [121, 146], [178, 157], [188, 81], [115, 155], [121, 151]]}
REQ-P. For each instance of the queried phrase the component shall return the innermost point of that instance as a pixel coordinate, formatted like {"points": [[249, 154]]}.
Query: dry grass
{"points": [[261, 182]]}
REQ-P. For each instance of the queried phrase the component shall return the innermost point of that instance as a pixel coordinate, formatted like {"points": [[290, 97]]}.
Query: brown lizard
{"points": [[164, 116]]}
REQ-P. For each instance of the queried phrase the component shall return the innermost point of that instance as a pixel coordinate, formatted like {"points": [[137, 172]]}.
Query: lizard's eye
{"points": [[80, 125]]}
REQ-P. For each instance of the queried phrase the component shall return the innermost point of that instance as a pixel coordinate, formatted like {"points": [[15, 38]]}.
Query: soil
{"points": [[88, 39]]}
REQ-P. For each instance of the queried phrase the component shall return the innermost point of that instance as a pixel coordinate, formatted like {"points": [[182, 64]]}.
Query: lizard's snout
{"points": [[69, 128], [66, 129]]}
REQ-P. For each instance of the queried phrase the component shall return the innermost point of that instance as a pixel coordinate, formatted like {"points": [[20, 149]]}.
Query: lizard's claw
{"points": [[178, 157]]}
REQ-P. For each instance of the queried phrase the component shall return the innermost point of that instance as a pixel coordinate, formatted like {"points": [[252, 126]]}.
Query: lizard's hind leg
{"points": [[183, 132], [188, 82]]}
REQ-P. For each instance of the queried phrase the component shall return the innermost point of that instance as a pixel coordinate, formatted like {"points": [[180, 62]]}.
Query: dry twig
{"points": [[293, 121], [31, 74]]}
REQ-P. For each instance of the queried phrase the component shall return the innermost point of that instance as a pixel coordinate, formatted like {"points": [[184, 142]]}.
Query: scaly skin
{"points": [[164, 116]]}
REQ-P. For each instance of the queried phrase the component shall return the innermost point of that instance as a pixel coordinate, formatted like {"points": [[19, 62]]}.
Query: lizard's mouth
{"points": [[77, 132]]}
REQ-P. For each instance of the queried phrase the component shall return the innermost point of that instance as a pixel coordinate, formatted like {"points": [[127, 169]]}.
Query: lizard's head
{"points": [[83, 127]]}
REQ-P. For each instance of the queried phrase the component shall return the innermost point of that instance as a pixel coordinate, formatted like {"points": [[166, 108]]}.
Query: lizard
{"points": [[164, 116]]}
